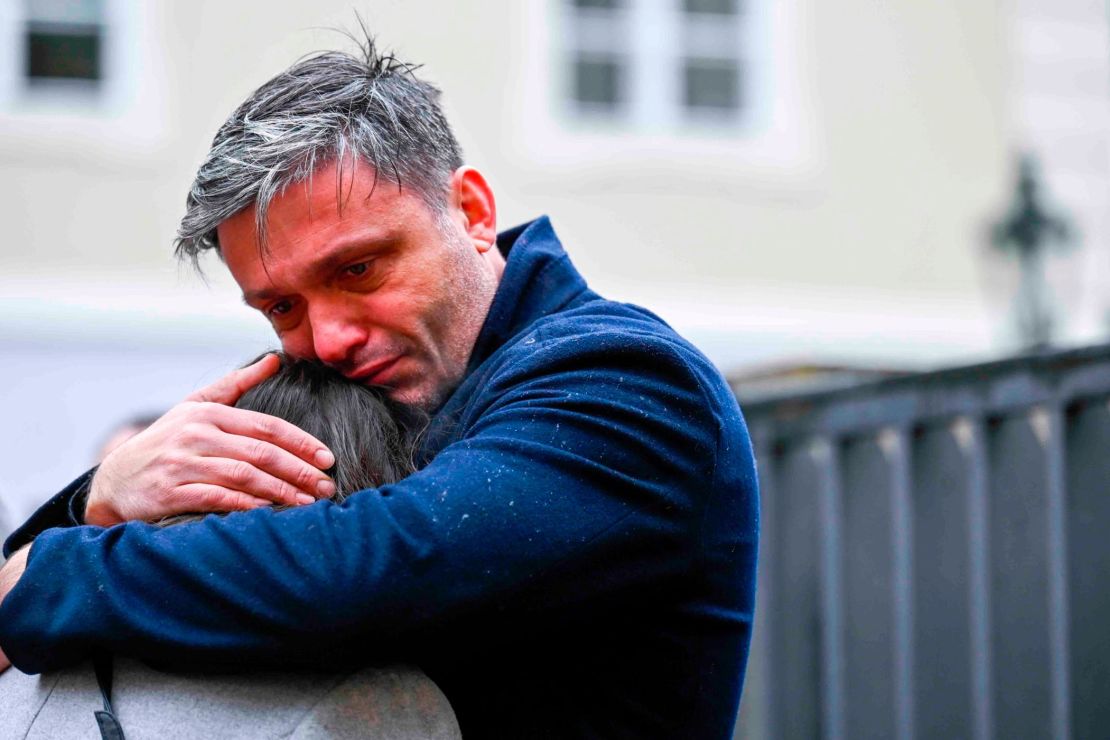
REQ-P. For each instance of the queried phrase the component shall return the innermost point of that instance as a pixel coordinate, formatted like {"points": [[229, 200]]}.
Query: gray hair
{"points": [[329, 107]]}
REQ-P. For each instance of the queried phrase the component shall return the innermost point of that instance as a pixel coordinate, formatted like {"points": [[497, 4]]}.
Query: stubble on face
{"points": [[467, 292]]}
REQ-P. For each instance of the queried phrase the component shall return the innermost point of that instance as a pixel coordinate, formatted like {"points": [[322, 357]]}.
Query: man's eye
{"points": [[358, 268], [280, 308]]}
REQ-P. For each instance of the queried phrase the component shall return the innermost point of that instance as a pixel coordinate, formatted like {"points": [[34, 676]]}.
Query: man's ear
{"points": [[474, 205]]}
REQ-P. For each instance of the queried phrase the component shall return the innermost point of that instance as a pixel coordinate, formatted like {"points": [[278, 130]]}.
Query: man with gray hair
{"points": [[575, 556]]}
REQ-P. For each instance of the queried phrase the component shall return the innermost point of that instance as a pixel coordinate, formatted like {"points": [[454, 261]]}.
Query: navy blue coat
{"points": [[576, 559]]}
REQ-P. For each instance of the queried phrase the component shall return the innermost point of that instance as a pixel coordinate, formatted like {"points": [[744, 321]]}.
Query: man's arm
{"points": [[582, 478], [9, 576], [65, 509]]}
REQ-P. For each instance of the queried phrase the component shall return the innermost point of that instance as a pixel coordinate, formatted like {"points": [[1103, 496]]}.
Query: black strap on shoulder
{"points": [[106, 720]]}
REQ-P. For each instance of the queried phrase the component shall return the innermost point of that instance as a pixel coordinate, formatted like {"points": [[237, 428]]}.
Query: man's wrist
{"points": [[97, 512], [12, 570], [10, 573]]}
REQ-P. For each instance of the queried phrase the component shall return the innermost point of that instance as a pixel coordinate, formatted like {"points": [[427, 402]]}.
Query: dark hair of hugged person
{"points": [[372, 437]]}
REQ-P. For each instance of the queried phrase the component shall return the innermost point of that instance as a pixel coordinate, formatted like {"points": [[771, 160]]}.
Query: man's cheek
{"points": [[296, 345]]}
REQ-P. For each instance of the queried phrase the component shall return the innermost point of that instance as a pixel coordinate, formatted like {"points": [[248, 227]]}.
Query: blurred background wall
{"points": [[786, 181]]}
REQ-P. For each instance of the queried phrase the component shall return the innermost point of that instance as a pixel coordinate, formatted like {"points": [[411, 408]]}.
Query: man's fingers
{"points": [[205, 497], [283, 467], [239, 475], [206, 455], [275, 431], [230, 387]]}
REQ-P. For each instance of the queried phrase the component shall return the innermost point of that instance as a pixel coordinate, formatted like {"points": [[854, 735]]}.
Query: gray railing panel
{"points": [[797, 632], [826, 453], [998, 388], [869, 591], [896, 446], [1019, 592], [935, 556], [1057, 557], [756, 702], [942, 634], [1088, 532]]}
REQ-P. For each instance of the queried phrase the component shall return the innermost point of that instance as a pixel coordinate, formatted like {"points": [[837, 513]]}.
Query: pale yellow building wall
{"points": [[869, 238]]}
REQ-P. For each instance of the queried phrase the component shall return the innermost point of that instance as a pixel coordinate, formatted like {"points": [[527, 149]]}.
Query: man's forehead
{"points": [[332, 198]]}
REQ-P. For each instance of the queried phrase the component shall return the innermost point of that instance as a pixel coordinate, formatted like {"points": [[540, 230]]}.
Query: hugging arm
{"points": [[587, 474]]}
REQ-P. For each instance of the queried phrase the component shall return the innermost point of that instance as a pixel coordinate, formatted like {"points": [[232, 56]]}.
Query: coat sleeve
{"points": [[581, 476], [66, 509]]}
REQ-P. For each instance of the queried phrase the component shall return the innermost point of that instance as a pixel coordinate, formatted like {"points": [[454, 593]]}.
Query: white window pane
{"points": [[79, 12], [600, 34], [708, 36]]}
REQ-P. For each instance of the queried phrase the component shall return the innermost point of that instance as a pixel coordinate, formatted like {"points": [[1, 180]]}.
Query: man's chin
{"points": [[421, 397], [413, 396]]}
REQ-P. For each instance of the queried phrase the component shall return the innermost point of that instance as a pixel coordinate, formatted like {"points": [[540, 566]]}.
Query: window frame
{"points": [[776, 145], [89, 27], [125, 112], [659, 38]]}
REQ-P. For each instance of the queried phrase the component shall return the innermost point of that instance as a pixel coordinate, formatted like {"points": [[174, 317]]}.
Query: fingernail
{"points": [[324, 459], [325, 488], [304, 498]]}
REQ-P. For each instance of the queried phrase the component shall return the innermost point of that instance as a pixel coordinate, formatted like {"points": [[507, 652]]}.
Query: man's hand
{"points": [[9, 576], [205, 455]]}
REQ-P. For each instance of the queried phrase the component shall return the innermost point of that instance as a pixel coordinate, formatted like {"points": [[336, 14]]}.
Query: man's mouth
{"points": [[375, 374]]}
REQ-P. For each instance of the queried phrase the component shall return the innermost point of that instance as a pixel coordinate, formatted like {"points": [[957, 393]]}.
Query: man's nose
{"points": [[335, 339]]}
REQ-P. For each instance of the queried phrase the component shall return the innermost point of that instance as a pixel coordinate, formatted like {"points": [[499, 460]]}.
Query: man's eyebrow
{"points": [[339, 252], [342, 250], [258, 296]]}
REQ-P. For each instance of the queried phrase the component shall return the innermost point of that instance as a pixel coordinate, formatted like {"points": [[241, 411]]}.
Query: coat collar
{"points": [[539, 280]]}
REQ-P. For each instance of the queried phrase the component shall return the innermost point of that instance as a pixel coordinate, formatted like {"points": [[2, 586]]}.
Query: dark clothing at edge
{"points": [[577, 558]]}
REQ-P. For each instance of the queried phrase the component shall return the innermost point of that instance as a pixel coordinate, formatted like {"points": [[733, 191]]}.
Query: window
{"points": [[597, 82], [599, 58], [656, 63], [82, 76], [63, 43], [611, 89], [719, 7], [711, 84], [712, 69]]}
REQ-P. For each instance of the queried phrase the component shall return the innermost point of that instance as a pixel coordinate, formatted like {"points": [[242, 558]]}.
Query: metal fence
{"points": [[935, 556]]}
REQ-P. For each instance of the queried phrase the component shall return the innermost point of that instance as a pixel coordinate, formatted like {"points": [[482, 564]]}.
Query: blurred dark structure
{"points": [[934, 555], [63, 42], [769, 382], [1028, 230]]}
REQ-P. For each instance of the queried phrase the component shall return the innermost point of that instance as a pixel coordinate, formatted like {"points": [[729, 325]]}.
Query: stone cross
{"points": [[1028, 230]]}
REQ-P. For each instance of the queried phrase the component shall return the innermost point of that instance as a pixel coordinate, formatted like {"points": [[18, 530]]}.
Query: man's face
{"points": [[375, 285]]}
